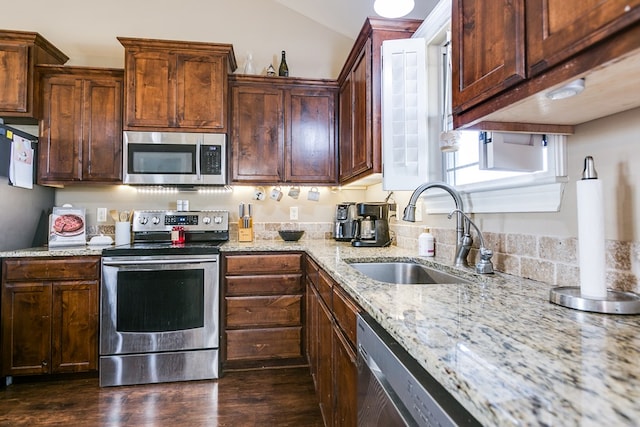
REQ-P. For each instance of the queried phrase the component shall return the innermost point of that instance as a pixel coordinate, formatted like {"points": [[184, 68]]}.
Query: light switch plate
{"points": [[293, 213], [102, 215]]}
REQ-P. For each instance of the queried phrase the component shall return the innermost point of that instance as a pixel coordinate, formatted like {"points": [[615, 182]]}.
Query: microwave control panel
{"points": [[211, 159]]}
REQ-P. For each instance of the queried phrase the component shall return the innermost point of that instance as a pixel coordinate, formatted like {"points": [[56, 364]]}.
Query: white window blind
{"points": [[404, 114]]}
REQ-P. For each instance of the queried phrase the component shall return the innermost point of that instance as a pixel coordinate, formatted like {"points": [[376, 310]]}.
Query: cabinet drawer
{"points": [[274, 343], [264, 263], [325, 288], [264, 284], [345, 311], [263, 311], [82, 268]]}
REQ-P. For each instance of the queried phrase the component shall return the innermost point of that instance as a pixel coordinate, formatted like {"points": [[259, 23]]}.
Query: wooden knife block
{"points": [[245, 234]]}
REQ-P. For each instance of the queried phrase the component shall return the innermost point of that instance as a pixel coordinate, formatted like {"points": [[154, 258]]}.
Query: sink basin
{"points": [[405, 273]]}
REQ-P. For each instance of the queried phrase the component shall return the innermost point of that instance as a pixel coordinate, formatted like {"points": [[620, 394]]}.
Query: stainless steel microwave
{"points": [[170, 158]]}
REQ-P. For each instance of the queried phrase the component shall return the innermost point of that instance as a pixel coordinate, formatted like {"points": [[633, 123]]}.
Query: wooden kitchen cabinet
{"points": [[556, 30], [176, 85], [488, 49], [50, 315], [507, 54], [360, 98], [283, 130], [20, 52], [331, 350], [81, 125], [263, 310]]}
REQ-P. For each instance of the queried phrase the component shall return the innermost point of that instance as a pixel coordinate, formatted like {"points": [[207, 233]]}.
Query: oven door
{"points": [[158, 304]]}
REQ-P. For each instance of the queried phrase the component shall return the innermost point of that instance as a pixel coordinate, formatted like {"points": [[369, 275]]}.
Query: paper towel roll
{"points": [[591, 243]]}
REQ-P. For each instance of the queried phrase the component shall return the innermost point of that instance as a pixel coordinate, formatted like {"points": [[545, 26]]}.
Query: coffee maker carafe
{"points": [[344, 225], [372, 226]]}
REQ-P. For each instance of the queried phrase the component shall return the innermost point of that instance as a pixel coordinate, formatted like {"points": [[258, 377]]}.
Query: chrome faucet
{"points": [[484, 266], [463, 239]]}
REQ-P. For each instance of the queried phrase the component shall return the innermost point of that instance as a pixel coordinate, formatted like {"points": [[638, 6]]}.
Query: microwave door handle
{"points": [[198, 159]]}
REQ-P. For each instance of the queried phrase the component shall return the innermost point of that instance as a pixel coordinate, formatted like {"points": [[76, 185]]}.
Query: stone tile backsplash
{"points": [[553, 260]]}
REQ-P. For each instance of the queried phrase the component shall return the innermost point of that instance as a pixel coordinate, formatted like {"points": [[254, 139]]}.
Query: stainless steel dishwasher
{"points": [[394, 390]]}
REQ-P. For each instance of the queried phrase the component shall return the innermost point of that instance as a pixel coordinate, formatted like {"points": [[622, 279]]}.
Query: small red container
{"points": [[177, 235]]}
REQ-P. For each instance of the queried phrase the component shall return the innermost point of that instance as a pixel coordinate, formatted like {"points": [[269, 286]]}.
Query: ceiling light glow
{"points": [[393, 8]]}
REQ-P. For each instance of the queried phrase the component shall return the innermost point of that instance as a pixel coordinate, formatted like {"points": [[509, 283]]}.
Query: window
{"points": [[494, 171]]}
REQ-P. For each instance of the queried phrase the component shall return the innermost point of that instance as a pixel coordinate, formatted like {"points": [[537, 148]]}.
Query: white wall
{"points": [[86, 31], [126, 198]]}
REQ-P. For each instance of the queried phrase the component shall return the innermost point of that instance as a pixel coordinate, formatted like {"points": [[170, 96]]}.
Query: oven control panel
{"points": [[213, 220]]}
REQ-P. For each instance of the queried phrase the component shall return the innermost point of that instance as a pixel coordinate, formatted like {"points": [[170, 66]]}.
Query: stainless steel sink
{"points": [[405, 273]]}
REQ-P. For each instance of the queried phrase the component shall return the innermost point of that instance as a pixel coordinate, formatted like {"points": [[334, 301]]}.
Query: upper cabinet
{"points": [[360, 98], [283, 130], [558, 29], [176, 85], [488, 49], [506, 55], [20, 52], [81, 125]]}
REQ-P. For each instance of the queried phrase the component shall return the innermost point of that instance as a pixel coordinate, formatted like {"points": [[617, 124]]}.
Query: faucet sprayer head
{"points": [[409, 213]]}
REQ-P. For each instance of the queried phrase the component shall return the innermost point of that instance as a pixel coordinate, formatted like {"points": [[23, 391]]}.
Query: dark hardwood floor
{"points": [[278, 397]]}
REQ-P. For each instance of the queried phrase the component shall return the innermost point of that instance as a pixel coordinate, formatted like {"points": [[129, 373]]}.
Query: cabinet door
{"points": [[356, 147], [325, 368], [311, 331], [26, 328], [200, 92], [257, 134], [310, 140], [488, 52], [149, 97], [558, 29], [81, 127], [102, 130], [74, 338], [60, 145], [345, 381], [14, 78]]}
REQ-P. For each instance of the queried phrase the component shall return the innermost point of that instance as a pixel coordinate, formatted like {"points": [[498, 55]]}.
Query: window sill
{"points": [[537, 197]]}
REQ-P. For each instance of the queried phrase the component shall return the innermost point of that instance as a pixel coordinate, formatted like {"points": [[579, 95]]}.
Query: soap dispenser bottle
{"points": [[426, 244]]}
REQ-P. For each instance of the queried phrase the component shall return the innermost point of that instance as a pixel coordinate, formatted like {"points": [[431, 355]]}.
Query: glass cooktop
{"points": [[164, 248]]}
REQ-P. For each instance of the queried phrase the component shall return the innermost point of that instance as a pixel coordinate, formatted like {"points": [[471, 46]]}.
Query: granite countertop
{"points": [[497, 345]]}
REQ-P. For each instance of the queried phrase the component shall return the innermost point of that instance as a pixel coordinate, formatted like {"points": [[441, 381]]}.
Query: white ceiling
{"points": [[346, 16]]}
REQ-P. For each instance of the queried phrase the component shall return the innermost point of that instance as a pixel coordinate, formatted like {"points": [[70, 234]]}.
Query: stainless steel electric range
{"points": [[159, 300]]}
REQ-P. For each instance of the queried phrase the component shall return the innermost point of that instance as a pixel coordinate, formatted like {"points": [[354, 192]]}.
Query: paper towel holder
{"points": [[616, 302], [613, 302]]}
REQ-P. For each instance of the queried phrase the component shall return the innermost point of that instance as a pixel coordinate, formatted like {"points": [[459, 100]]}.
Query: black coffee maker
{"points": [[345, 223], [372, 225]]}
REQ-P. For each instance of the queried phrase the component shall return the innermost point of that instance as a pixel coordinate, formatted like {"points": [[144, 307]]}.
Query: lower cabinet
{"points": [[331, 347], [49, 315], [262, 310]]}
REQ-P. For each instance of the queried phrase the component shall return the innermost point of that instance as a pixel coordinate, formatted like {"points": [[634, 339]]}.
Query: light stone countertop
{"points": [[497, 345]]}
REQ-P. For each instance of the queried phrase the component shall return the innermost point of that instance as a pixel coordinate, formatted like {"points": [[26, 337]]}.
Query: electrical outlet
{"points": [[102, 215], [293, 213]]}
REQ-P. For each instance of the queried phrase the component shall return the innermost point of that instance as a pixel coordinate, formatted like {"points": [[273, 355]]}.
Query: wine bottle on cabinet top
{"points": [[284, 69]]}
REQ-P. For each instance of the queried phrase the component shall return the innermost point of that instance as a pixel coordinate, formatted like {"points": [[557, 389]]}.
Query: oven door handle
{"points": [[160, 261]]}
